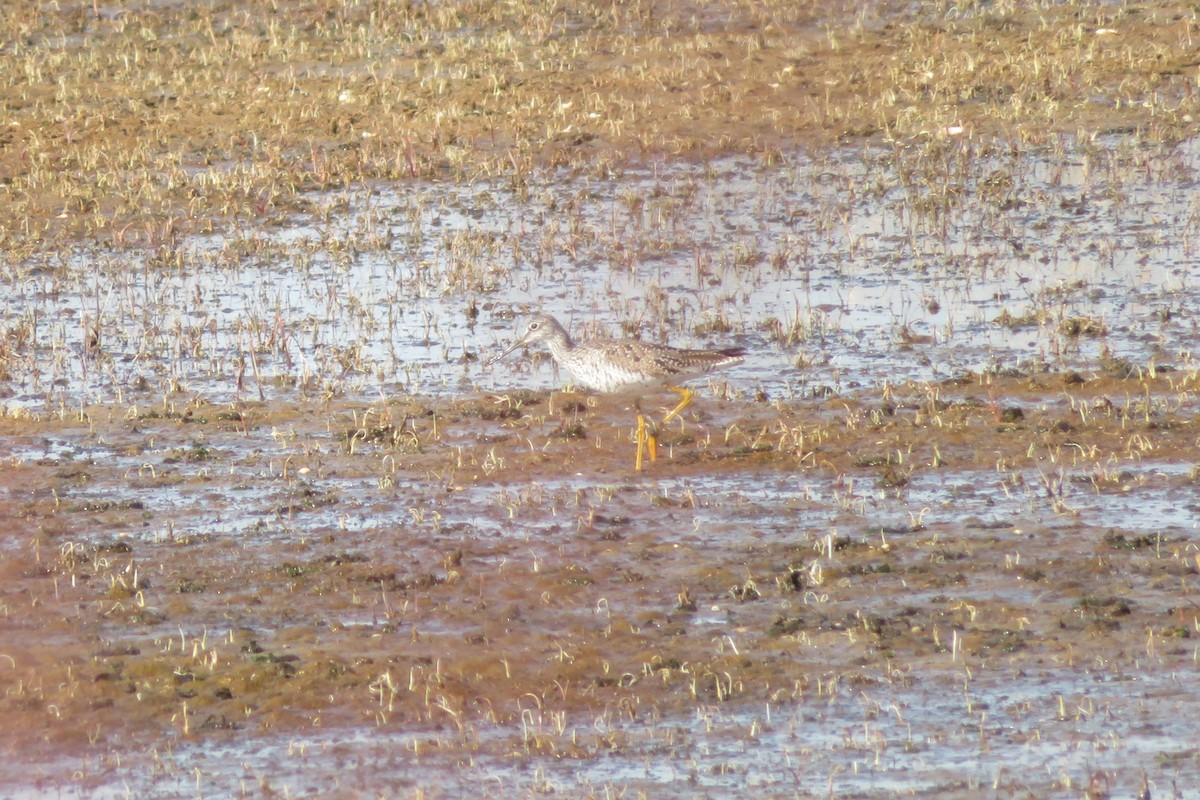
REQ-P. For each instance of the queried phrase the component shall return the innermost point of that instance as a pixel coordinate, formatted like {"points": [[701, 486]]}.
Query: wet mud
{"points": [[867, 592], [271, 528]]}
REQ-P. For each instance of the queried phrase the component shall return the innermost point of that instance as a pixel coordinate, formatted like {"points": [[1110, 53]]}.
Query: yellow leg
{"points": [[685, 399], [646, 443], [641, 442]]}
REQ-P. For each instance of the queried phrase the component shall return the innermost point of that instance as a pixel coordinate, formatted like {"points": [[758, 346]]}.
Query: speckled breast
{"points": [[602, 375]]}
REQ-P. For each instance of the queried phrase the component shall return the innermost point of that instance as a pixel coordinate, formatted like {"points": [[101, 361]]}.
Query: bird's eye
{"points": [[533, 326]]}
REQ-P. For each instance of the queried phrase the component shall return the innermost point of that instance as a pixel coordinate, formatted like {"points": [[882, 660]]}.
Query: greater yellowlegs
{"points": [[626, 366]]}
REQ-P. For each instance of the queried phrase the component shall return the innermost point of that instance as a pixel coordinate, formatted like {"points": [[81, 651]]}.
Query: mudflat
{"points": [[272, 528]]}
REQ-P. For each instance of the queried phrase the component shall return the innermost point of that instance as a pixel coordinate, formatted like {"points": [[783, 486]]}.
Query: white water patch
{"points": [[856, 268]]}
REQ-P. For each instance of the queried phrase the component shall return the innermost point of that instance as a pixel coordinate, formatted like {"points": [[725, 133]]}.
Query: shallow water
{"points": [[994, 608], [864, 267], [953, 737]]}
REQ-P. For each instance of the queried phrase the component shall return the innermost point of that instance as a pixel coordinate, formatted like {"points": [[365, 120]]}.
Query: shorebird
{"points": [[620, 366]]}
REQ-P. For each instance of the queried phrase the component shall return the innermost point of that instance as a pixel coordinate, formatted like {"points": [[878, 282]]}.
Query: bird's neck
{"points": [[560, 345]]}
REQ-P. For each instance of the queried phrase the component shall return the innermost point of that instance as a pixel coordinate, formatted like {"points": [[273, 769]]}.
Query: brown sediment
{"points": [[488, 572], [127, 624], [152, 120]]}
